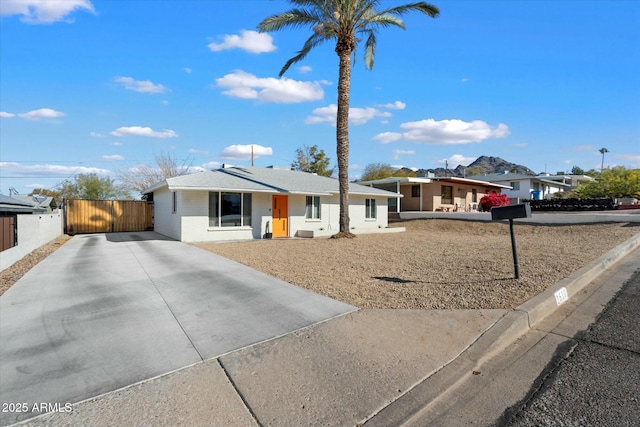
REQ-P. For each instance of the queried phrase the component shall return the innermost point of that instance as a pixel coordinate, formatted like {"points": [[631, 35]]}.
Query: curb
{"points": [[545, 303], [503, 333]]}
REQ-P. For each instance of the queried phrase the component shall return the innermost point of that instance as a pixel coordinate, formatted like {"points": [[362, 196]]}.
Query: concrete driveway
{"points": [[107, 311]]}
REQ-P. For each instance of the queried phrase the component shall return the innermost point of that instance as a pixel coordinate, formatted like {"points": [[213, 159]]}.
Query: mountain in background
{"points": [[481, 166]]}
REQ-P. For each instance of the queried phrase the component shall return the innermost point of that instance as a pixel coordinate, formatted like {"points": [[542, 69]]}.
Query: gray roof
{"points": [[10, 204], [45, 201], [263, 180], [508, 177]]}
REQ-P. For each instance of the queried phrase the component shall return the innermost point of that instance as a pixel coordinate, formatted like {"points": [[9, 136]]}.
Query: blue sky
{"points": [[104, 85]]}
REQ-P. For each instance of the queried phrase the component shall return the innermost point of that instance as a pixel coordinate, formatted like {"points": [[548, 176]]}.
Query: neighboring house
{"points": [[573, 180], [525, 186], [47, 203], [10, 206], [430, 194], [239, 203]]}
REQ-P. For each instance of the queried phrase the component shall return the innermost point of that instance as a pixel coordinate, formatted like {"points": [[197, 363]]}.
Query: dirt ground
{"points": [[435, 264]]}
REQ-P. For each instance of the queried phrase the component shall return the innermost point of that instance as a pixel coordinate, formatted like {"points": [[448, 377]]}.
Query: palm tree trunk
{"points": [[342, 137]]}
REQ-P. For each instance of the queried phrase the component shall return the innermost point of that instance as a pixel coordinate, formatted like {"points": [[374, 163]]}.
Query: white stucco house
{"points": [[525, 186], [240, 203]]}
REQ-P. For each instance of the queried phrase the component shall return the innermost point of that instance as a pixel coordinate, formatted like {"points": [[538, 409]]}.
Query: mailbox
{"points": [[522, 210]]}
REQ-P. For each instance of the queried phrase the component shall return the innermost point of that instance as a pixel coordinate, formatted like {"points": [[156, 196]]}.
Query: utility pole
{"points": [[251, 155]]}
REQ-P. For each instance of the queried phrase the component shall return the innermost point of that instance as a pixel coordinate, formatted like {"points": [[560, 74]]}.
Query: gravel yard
{"points": [[435, 264]]}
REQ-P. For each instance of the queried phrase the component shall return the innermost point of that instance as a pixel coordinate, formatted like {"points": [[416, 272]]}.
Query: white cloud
{"points": [[387, 137], [44, 11], [112, 158], [194, 151], [250, 41], [629, 160], [398, 153], [143, 131], [444, 132], [97, 135], [585, 147], [144, 86], [304, 69], [45, 169], [42, 113], [456, 160], [7, 115], [357, 116], [240, 84], [398, 105], [187, 70], [115, 143], [211, 165], [520, 145], [243, 152], [165, 102], [464, 80]]}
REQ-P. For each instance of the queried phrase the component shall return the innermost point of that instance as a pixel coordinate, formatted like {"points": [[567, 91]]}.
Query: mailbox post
{"points": [[522, 210]]}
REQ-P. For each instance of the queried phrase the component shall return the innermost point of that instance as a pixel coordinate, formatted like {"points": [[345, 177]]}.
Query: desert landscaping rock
{"points": [[435, 264]]}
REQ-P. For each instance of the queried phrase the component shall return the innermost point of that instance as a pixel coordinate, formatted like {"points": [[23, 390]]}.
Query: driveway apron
{"points": [[109, 310]]}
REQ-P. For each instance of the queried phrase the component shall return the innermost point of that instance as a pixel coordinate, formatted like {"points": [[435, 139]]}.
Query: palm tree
{"points": [[602, 151], [342, 21]]}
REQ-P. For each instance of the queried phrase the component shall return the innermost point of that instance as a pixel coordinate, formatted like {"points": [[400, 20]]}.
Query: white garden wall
{"points": [[33, 232]]}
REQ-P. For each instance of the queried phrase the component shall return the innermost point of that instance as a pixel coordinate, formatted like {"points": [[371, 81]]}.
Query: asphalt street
{"points": [[598, 383]]}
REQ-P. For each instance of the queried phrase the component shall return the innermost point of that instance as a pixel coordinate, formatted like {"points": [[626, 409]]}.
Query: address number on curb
{"points": [[561, 295]]}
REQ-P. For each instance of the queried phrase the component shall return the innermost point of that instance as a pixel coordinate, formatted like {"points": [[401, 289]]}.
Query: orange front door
{"points": [[280, 215]]}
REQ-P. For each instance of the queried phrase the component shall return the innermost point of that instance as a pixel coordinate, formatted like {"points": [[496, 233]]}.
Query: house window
{"points": [[370, 209], [447, 195], [229, 209], [174, 202], [415, 191], [515, 185], [474, 195], [313, 207]]}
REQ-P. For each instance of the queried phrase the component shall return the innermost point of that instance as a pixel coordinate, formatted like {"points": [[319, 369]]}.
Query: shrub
{"points": [[493, 199]]}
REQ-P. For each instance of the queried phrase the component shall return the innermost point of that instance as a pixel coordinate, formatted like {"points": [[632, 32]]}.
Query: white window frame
{"points": [[315, 208], [370, 210], [242, 210]]}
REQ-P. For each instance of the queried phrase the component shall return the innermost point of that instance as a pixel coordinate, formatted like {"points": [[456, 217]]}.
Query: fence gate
{"points": [[7, 232], [106, 216]]}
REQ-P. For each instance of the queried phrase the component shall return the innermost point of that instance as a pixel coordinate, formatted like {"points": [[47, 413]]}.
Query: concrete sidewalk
{"points": [[372, 367]]}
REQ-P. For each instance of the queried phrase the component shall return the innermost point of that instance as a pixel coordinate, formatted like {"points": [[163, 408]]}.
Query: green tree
{"points": [[474, 171], [343, 22], [375, 171], [312, 160], [614, 182], [602, 151], [92, 187], [577, 170]]}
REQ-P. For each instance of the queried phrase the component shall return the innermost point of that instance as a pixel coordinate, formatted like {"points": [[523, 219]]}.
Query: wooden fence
{"points": [[7, 232], [106, 216]]}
